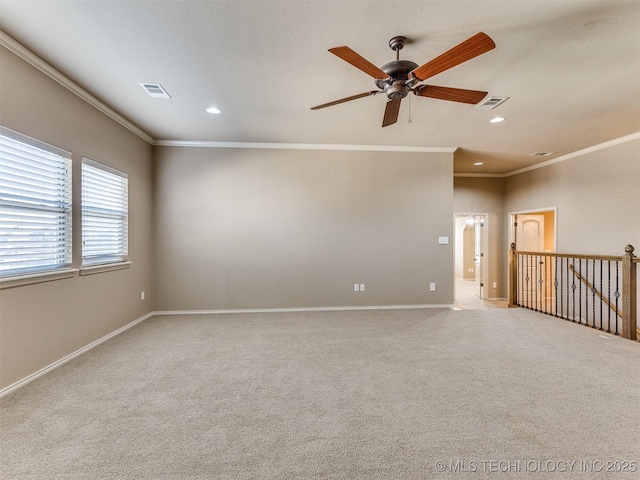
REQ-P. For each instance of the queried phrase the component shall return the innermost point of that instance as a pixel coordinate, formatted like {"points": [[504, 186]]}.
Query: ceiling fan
{"points": [[396, 79]]}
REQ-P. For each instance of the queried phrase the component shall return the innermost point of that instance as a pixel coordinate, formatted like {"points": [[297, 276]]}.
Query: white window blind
{"points": [[105, 196], [35, 205]]}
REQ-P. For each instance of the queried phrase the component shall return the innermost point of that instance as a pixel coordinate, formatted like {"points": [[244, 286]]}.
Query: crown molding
{"points": [[32, 59], [303, 146], [480, 175], [578, 153]]}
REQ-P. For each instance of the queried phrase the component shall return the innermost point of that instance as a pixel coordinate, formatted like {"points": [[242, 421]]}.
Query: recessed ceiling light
{"points": [[213, 110], [497, 119], [478, 163]]}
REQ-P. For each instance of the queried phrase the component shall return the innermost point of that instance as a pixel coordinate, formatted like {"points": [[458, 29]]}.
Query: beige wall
{"points": [[44, 322], [597, 196], [261, 228], [475, 195]]}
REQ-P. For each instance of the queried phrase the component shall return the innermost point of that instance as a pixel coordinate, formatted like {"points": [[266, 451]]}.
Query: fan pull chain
{"points": [[409, 99]]}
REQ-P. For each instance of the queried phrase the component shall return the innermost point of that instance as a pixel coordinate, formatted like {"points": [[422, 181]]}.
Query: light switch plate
{"points": [[443, 240]]}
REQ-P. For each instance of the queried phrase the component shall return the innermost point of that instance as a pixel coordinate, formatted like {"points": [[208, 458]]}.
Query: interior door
{"points": [[529, 233], [479, 256]]}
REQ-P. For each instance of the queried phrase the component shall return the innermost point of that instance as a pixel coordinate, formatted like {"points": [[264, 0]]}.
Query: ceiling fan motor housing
{"points": [[398, 70]]}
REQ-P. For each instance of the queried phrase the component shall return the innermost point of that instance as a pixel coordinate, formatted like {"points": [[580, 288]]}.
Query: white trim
{"points": [[299, 309], [35, 61], [485, 244], [579, 153], [106, 267], [303, 146], [34, 142], [106, 168], [481, 175], [40, 277], [71, 356]]}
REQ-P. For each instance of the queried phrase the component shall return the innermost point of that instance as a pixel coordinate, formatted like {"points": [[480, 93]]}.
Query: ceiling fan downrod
{"points": [[396, 44]]}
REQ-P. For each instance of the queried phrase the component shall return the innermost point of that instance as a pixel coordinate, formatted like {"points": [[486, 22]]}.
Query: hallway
{"points": [[465, 297]]}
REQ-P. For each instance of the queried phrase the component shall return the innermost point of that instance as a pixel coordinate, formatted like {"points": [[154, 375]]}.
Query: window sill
{"points": [[104, 268], [19, 281]]}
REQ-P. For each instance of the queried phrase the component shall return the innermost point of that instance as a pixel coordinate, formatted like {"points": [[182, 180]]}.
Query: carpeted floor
{"points": [[380, 394]]}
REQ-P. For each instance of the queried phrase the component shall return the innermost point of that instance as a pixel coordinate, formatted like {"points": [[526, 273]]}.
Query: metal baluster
{"points": [[535, 282], [580, 292], [593, 290], [538, 284], [555, 284], [526, 292], [601, 297], [609, 295], [573, 288], [568, 294], [519, 284], [522, 285], [561, 287], [586, 293], [547, 288], [617, 295]]}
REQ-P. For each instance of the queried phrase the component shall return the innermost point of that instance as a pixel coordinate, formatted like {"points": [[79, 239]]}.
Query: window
{"points": [[105, 193], [35, 205]]}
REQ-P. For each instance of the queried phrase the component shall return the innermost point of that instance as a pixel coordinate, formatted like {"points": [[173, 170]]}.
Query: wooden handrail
{"points": [[612, 258]]}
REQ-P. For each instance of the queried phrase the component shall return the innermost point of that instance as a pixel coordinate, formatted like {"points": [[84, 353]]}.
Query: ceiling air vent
{"points": [[490, 103], [542, 154], [155, 90]]}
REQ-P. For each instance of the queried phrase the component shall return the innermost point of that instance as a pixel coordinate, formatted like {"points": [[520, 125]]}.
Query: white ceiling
{"points": [[570, 68]]}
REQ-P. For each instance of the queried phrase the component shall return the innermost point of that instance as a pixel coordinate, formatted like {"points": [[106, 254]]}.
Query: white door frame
{"points": [[485, 246]]}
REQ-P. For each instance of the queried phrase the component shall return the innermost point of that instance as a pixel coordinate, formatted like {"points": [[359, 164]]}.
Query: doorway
{"points": [[470, 258], [534, 231]]}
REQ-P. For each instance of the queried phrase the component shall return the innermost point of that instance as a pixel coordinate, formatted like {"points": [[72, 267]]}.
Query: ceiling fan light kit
{"points": [[398, 78]]}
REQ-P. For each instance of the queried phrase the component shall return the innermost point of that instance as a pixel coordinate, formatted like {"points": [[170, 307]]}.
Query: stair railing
{"points": [[599, 291]]}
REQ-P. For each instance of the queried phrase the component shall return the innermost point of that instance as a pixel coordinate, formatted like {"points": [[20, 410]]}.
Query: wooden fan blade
{"points": [[347, 99], [472, 47], [451, 94], [349, 56], [391, 112]]}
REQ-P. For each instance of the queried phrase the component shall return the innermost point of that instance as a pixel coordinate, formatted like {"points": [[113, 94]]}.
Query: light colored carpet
{"points": [[383, 394]]}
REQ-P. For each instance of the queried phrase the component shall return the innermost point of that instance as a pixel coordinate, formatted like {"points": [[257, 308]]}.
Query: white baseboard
{"points": [[71, 356]]}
